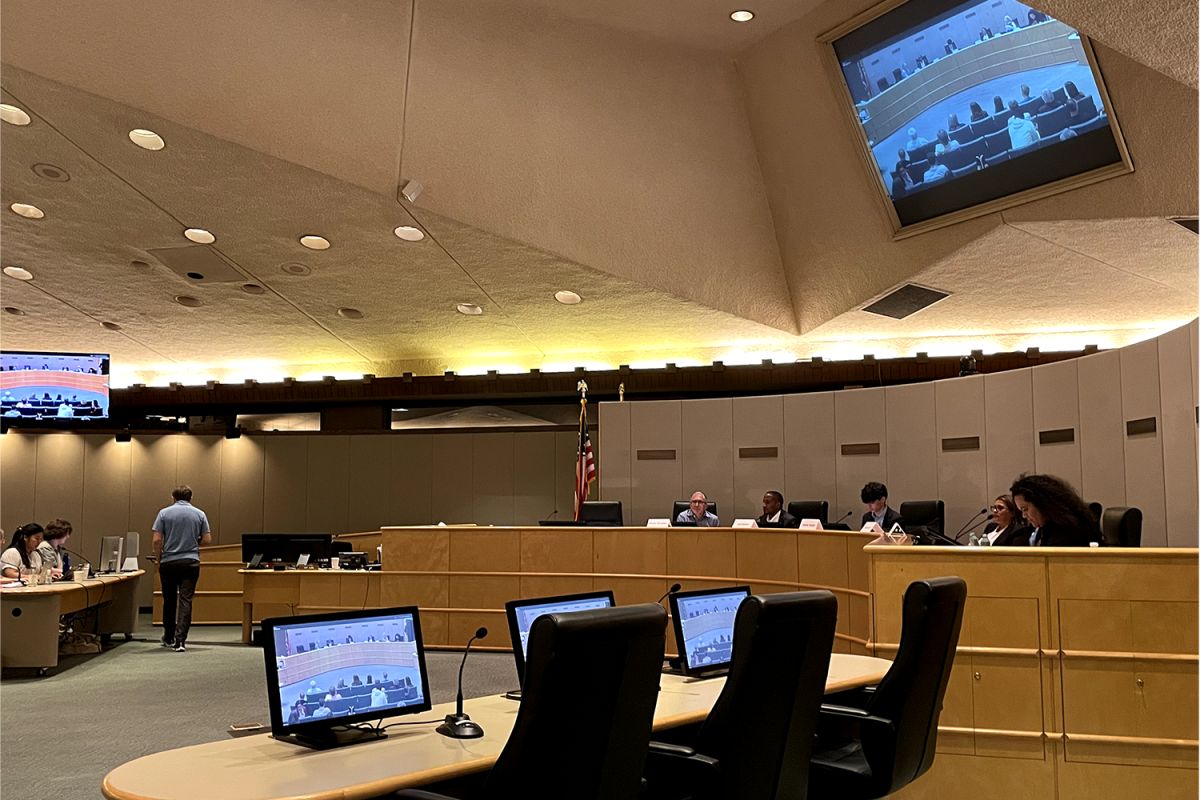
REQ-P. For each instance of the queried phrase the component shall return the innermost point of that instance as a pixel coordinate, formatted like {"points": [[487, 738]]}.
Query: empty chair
{"points": [[1092, 124], [889, 740], [898, 75], [882, 84], [998, 142], [957, 159], [916, 171], [604, 667], [810, 509], [1121, 527], [1060, 95], [927, 514], [1001, 118], [1052, 122], [1097, 511], [996, 159], [967, 170], [683, 505], [1087, 109], [983, 127], [602, 512], [757, 740]]}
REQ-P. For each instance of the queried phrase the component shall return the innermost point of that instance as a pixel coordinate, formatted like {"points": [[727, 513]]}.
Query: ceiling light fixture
{"points": [[296, 268], [13, 115], [470, 309], [16, 312], [410, 234], [51, 173], [252, 288], [199, 236], [350, 313], [185, 300], [568, 298], [742, 16], [315, 242], [18, 273], [112, 326], [147, 140], [27, 211]]}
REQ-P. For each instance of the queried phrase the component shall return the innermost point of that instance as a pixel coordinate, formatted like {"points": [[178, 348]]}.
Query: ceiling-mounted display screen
{"points": [[53, 388], [966, 108]]}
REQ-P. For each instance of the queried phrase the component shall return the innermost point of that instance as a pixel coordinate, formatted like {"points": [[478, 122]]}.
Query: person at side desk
{"points": [[1008, 528], [53, 547], [1058, 515], [698, 513], [875, 496], [22, 553], [773, 513]]}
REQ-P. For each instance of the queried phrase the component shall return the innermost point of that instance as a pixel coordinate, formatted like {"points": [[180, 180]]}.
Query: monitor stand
{"points": [[329, 739]]}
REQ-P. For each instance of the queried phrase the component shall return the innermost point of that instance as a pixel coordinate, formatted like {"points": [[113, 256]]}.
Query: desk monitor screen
{"points": [[703, 623], [522, 613], [333, 670], [111, 554], [287, 547], [52, 389]]}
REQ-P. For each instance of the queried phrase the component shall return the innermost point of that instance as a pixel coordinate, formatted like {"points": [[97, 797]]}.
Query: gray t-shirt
{"points": [[181, 526], [50, 555], [11, 558], [709, 520]]}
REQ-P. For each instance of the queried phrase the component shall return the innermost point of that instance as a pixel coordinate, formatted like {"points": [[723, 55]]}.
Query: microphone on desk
{"points": [[969, 524], [459, 725], [842, 517], [675, 587], [977, 524], [551, 516]]}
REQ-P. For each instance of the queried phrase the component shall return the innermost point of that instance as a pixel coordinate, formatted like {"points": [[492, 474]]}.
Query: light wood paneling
{"points": [[1056, 406], [198, 465], [18, 474], [962, 474], [533, 478], [369, 482], [1144, 452], [59, 488], [707, 452], [412, 479], [810, 467], [106, 475], [453, 485], [1008, 424], [285, 484], [655, 425], [768, 554], [757, 423], [492, 461], [243, 470], [328, 481], [566, 452], [859, 417], [152, 477], [912, 443], [614, 470], [1101, 429], [1178, 424]]}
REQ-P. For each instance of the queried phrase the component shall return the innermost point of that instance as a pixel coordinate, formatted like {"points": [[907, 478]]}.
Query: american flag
{"points": [[585, 465]]}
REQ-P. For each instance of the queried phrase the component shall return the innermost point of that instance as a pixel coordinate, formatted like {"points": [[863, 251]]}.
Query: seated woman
{"points": [[1072, 91], [1059, 516], [946, 142], [953, 123], [977, 112], [53, 547], [298, 713], [357, 681], [22, 551], [1008, 528], [998, 102]]}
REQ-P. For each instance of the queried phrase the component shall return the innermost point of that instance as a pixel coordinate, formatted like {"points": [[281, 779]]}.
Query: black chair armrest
{"points": [[845, 723], [672, 768], [417, 794], [677, 750], [857, 715]]}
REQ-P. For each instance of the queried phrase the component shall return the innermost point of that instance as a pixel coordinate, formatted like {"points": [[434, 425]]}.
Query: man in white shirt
{"points": [[915, 142], [378, 697], [937, 171], [1021, 131]]}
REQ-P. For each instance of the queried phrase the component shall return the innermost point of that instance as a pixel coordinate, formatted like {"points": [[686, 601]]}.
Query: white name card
{"points": [[658, 523], [811, 525], [745, 523], [871, 527]]}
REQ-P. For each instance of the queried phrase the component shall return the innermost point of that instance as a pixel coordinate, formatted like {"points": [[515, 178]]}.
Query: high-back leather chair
{"points": [[896, 731], [1121, 527], [929, 514], [602, 512], [810, 509], [758, 738], [583, 726], [684, 505]]}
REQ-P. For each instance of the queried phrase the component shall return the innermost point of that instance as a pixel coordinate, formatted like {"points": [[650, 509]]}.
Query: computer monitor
{"points": [[287, 547], [522, 613], [703, 622], [333, 671], [112, 551]]}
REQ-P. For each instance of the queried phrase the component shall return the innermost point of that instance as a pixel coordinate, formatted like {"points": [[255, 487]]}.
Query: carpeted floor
{"points": [[60, 735]]}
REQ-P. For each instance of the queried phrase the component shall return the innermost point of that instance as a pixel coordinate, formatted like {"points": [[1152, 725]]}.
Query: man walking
{"points": [[179, 530]]}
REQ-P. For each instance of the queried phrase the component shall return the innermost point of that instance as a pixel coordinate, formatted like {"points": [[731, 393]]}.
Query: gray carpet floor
{"points": [[61, 734]]}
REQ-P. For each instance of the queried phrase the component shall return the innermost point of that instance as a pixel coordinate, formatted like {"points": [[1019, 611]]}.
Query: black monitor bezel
{"points": [[677, 624], [280, 728], [514, 632], [325, 539]]}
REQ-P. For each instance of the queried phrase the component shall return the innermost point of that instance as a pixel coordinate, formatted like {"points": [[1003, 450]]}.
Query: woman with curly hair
{"points": [[1059, 516]]}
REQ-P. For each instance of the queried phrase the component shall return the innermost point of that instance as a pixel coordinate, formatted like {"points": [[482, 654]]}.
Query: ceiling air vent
{"points": [[905, 301], [198, 263], [1191, 223]]}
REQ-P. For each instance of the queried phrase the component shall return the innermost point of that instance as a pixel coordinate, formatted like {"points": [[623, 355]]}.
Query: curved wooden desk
{"points": [[261, 768]]}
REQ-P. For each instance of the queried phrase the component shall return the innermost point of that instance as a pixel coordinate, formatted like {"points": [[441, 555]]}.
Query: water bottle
{"points": [[985, 541], [973, 540]]}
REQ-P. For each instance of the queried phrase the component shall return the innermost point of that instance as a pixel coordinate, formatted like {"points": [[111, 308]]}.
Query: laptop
{"points": [[703, 622], [522, 613]]}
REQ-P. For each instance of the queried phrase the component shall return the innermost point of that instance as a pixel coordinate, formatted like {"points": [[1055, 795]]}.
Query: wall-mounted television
{"points": [[962, 109], [47, 389]]}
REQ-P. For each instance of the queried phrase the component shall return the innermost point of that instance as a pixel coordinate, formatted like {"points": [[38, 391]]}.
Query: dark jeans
{"points": [[178, 580]]}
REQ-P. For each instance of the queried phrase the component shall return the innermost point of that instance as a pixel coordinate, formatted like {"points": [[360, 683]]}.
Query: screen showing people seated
{"points": [[347, 667], [707, 624], [962, 103], [53, 387], [527, 614]]}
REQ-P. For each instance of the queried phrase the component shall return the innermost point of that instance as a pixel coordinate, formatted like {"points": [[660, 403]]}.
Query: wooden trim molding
{"points": [[1191, 658]]}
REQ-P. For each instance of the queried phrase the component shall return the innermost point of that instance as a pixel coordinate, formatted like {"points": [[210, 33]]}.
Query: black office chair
{"points": [[1097, 511], [1121, 527], [337, 547], [927, 514], [684, 505], [757, 741], [583, 726], [810, 509], [872, 751], [602, 512]]}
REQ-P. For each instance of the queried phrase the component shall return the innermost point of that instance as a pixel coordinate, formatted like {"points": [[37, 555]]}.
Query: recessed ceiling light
{"points": [[51, 173], [315, 242], [350, 313], [410, 234], [470, 309], [16, 312], [199, 236], [112, 326], [147, 140], [296, 268], [742, 16], [18, 273], [252, 288], [185, 300], [27, 211], [13, 115], [568, 298]]}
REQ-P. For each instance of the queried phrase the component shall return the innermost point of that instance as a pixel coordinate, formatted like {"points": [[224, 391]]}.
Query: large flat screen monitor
{"points": [[703, 622], [286, 547], [48, 389], [522, 613], [333, 671], [962, 109]]}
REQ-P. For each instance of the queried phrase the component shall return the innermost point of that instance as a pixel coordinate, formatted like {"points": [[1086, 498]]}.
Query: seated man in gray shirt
{"points": [[698, 513]]}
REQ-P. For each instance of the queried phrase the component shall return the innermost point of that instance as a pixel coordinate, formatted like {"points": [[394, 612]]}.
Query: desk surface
{"points": [[73, 595], [261, 768]]}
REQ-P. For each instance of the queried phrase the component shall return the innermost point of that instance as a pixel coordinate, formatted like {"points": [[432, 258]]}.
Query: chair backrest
{"points": [[926, 513], [957, 159], [1097, 511], [998, 142], [336, 547], [684, 505], [975, 148], [916, 170], [911, 693], [1121, 526], [1001, 118], [583, 727], [762, 726], [1087, 108], [997, 159], [967, 170], [882, 84], [898, 75], [810, 509], [1060, 94], [1091, 125], [602, 512], [1052, 122], [983, 126]]}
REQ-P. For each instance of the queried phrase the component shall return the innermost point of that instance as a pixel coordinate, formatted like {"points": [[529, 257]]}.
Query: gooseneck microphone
{"points": [[675, 587], [459, 725], [971, 523], [842, 517]]}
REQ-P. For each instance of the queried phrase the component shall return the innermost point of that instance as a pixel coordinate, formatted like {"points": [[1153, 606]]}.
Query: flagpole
{"points": [[580, 477]]}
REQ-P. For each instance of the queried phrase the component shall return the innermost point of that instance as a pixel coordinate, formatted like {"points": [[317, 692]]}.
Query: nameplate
{"points": [[811, 525], [758, 452], [745, 523], [864, 449], [871, 527], [655, 455], [658, 523]]}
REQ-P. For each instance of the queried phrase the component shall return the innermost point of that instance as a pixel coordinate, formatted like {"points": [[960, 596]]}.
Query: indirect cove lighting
{"points": [[199, 236], [410, 234], [147, 140], [27, 211], [13, 115], [742, 16], [18, 273]]}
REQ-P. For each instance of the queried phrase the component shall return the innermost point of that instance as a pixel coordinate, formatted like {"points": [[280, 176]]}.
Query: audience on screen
{"points": [[936, 171], [1010, 25], [378, 696], [1057, 513], [998, 103], [1021, 131], [1049, 102], [915, 142], [1072, 91], [1025, 94], [953, 122], [22, 551], [697, 512], [945, 142], [299, 712], [977, 112]]}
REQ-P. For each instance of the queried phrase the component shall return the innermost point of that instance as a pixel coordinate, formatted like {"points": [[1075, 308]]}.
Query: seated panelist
{"points": [[875, 496], [22, 552], [53, 547], [773, 513], [1058, 515], [1008, 528], [698, 513]]}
